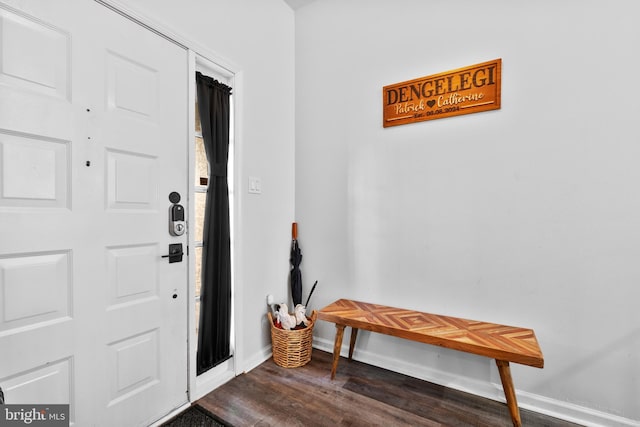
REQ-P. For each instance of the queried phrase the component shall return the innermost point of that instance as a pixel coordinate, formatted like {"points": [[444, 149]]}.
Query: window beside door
{"points": [[201, 176]]}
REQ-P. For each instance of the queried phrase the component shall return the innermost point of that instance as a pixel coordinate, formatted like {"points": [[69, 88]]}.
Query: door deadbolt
{"points": [[177, 226]]}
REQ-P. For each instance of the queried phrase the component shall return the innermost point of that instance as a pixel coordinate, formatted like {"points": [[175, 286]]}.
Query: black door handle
{"points": [[175, 253]]}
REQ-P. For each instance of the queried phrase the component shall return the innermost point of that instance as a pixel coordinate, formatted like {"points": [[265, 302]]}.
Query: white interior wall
{"points": [[528, 215], [257, 38]]}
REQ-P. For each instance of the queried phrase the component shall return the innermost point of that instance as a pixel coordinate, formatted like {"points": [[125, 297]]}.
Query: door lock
{"points": [[177, 226], [175, 253]]}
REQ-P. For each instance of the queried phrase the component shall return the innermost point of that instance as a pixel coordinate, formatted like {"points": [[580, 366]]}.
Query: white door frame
{"points": [[199, 55]]}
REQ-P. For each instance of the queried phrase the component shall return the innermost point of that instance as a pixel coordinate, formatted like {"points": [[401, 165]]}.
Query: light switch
{"points": [[255, 185]]}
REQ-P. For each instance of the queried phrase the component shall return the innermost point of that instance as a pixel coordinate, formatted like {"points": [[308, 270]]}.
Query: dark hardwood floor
{"points": [[361, 395]]}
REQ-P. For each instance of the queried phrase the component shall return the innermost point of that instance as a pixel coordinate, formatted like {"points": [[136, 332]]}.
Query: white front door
{"points": [[93, 139]]}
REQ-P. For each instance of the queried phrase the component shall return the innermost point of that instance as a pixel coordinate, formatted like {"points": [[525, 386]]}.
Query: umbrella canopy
{"points": [[296, 275]]}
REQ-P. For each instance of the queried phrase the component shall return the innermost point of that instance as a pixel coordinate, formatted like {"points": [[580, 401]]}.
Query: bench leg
{"points": [[352, 344], [509, 391], [337, 345]]}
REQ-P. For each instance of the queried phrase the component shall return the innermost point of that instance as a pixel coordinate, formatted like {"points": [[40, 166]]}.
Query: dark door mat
{"points": [[195, 416]]}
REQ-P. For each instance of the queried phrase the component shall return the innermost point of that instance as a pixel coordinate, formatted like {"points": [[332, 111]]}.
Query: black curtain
{"points": [[215, 292]]}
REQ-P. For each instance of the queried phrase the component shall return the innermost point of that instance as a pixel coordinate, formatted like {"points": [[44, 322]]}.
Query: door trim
{"points": [[162, 30], [200, 385]]}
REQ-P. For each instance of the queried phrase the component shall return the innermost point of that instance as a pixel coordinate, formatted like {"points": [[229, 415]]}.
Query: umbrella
{"points": [[306, 304], [295, 259]]}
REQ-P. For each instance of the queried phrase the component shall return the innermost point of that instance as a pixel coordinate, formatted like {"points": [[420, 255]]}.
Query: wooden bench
{"points": [[503, 343]]}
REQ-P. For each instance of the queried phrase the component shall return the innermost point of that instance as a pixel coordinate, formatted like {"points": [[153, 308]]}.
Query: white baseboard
{"points": [[536, 403], [257, 359], [570, 412]]}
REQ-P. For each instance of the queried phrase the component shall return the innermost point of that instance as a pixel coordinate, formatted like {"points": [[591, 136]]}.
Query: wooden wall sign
{"points": [[463, 91]]}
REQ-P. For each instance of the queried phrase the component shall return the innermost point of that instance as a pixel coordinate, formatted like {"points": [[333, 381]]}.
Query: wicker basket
{"points": [[292, 348]]}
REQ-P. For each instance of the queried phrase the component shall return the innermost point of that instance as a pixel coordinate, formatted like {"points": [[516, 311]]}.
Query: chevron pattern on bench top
{"points": [[501, 342]]}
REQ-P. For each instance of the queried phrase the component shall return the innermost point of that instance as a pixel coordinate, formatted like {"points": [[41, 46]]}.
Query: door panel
{"points": [[35, 63], [93, 138], [142, 112], [36, 274], [131, 86], [35, 171], [36, 289], [50, 383]]}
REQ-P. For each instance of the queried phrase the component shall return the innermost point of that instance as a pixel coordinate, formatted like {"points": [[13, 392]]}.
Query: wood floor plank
{"points": [[362, 395]]}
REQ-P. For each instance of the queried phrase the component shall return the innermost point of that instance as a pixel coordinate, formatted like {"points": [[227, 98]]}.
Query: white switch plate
{"points": [[255, 185]]}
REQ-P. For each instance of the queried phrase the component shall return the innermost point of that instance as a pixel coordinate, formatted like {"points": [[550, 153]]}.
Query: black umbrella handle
{"points": [[313, 288], [294, 231]]}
